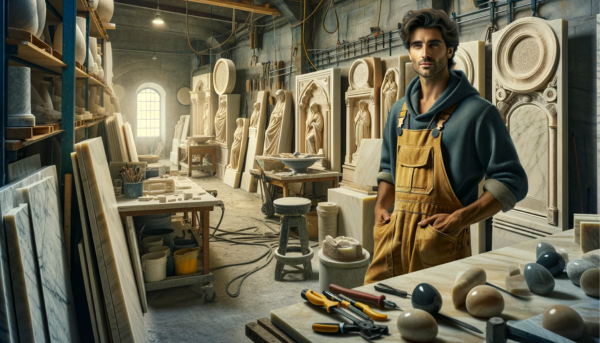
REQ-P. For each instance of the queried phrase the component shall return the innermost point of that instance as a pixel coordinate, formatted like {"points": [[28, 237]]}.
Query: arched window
{"points": [[149, 108]]}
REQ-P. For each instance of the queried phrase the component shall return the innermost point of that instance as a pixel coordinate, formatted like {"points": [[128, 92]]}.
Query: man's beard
{"points": [[434, 71]]}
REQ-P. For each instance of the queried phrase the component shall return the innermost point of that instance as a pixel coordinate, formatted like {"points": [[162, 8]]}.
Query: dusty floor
{"points": [[181, 315]]}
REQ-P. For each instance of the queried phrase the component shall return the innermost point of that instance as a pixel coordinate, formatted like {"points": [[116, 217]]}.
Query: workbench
{"points": [[201, 150], [284, 178], [296, 320], [203, 206]]}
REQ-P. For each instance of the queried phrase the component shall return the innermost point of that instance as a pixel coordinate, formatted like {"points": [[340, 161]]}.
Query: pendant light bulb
{"points": [[158, 19], [154, 56]]}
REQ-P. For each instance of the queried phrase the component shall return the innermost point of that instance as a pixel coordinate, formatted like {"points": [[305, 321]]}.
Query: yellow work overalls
{"points": [[422, 190]]}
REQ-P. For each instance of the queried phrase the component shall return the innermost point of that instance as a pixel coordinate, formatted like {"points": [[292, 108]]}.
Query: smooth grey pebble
{"points": [[427, 298], [543, 246], [576, 268], [538, 278], [553, 261]]}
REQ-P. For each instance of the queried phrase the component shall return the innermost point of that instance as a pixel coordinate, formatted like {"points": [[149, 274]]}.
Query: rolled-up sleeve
{"points": [[388, 147], [506, 178]]}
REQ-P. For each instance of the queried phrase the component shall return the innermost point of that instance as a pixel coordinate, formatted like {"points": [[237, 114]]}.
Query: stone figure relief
{"points": [[362, 124], [314, 129], [390, 91], [274, 130], [254, 119], [237, 144], [206, 119], [220, 119]]}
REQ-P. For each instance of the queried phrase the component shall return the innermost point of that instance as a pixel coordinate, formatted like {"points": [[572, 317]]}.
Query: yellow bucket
{"points": [[186, 261]]}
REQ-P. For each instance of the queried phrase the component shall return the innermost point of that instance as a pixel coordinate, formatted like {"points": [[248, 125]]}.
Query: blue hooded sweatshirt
{"points": [[475, 142]]}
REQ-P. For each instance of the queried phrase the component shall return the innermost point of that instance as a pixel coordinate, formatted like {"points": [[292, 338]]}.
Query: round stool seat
{"points": [[294, 260], [292, 206]]}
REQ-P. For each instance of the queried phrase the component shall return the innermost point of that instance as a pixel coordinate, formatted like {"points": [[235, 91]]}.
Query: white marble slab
{"points": [[24, 167], [367, 164], [256, 137], [92, 262], [356, 217], [111, 241], [25, 276], [52, 260], [88, 290], [121, 137], [136, 262], [186, 127], [130, 140]]}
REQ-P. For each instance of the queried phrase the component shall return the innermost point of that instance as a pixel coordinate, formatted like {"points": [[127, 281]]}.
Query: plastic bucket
{"points": [[165, 234], [150, 242], [186, 261], [179, 244], [162, 248], [154, 266]]}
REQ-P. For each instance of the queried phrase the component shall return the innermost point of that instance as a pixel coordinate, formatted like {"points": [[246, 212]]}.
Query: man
{"points": [[439, 142]]}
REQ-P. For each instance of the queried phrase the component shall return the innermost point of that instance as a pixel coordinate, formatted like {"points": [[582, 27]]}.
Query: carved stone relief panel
{"points": [[256, 136], [390, 93], [318, 116], [225, 126], [470, 58], [278, 136], [530, 85], [224, 76], [407, 74], [203, 99]]}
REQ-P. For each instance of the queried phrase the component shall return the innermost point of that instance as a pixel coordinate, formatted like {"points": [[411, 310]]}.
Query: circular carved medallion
{"points": [[224, 76], [526, 55], [463, 62], [360, 74], [183, 96]]}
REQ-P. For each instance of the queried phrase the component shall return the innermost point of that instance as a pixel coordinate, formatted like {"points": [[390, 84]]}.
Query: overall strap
{"points": [[401, 117], [443, 117]]}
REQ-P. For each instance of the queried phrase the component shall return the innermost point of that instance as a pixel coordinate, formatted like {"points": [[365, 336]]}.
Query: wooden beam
{"points": [[240, 6], [173, 9]]}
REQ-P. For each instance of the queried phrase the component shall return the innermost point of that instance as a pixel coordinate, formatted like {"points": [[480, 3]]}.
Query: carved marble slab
{"points": [[470, 58], [390, 93], [256, 137], [318, 100], [224, 76], [407, 74], [52, 259], [233, 172], [229, 115], [278, 136], [116, 272], [204, 105], [530, 83], [24, 273]]}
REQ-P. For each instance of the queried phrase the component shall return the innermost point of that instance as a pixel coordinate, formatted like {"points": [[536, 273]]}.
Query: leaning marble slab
{"points": [[367, 164], [582, 217], [137, 263], [91, 260], [112, 241], [8, 196], [25, 276], [52, 260], [24, 167], [88, 289]]}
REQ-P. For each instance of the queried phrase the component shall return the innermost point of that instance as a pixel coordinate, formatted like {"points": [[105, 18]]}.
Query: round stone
{"points": [[485, 302], [553, 261], [538, 278], [590, 283], [592, 256], [542, 247], [576, 268], [564, 321], [417, 325], [427, 298]]}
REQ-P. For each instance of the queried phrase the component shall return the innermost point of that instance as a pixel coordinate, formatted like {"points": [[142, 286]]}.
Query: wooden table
{"points": [[283, 179], [296, 320], [201, 149], [203, 206]]}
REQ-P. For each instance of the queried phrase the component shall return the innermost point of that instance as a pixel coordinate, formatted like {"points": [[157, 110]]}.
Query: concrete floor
{"points": [[181, 315]]}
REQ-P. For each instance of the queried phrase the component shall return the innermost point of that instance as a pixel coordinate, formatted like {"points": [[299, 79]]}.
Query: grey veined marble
{"points": [[553, 261], [24, 167], [542, 247], [538, 278], [19, 97], [24, 274], [52, 260], [576, 268]]}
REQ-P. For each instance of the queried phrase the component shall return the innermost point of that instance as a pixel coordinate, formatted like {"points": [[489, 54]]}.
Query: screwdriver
{"points": [[346, 304], [391, 290], [365, 308], [366, 297]]}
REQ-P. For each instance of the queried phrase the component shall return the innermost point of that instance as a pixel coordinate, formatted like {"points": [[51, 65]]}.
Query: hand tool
{"points": [[347, 305], [366, 329], [365, 297], [391, 290], [365, 308], [503, 290], [499, 331]]}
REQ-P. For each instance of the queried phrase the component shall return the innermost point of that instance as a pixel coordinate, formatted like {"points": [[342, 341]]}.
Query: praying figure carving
{"points": [[390, 91], [362, 123], [206, 120], [237, 144], [254, 119], [314, 129], [220, 119], [274, 130]]}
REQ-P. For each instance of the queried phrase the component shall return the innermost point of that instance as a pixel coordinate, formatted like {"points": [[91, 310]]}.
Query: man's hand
{"points": [[382, 216], [449, 224]]}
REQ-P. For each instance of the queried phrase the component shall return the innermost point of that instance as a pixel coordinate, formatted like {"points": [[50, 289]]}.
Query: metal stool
{"points": [[292, 210]]}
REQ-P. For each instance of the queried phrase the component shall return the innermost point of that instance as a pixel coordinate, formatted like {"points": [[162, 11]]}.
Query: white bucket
{"points": [[327, 212], [154, 266], [163, 248], [152, 241]]}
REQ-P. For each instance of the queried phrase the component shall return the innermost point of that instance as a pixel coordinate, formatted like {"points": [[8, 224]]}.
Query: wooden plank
{"points": [[19, 132], [15, 36], [273, 330], [41, 130], [258, 334], [10, 145], [239, 6], [178, 281], [67, 216], [29, 52]]}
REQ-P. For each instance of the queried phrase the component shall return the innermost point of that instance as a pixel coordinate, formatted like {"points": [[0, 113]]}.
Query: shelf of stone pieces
{"points": [[13, 145], [95, 80], [28, 51], [87, 124], [96, 28]]}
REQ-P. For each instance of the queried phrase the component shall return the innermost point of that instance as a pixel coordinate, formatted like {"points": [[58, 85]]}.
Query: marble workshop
{"points": [[300, 171]]}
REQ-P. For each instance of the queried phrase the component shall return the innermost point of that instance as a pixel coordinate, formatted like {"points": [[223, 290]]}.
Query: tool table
{"points": [[284, 178], [203, 206], [296, 321], [200, 149]]}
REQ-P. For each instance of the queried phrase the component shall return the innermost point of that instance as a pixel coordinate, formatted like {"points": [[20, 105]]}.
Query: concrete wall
{"points": [[356, 16]]}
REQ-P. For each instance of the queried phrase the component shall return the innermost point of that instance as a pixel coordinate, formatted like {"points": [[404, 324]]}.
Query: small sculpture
{"points": [[274, 130], [362, 124], [390, 91], [342, 248], [220, 119], [237, 144], [314, 129], [254, 119]]}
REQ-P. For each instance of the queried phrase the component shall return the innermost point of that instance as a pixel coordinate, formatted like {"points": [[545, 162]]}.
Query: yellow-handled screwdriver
{"points": [[365, 308]]}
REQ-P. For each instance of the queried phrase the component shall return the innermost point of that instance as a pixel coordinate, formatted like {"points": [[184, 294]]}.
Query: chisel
{"points": [[365, 297]]}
